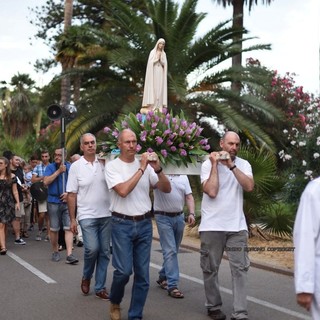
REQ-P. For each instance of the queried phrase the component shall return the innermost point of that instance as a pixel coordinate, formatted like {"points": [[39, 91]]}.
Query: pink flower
{"points": [[183, 152], [164, 152], [159, 140]]}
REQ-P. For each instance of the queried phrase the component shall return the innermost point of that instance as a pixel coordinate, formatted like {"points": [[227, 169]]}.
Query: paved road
{"points": [[34, 288]]}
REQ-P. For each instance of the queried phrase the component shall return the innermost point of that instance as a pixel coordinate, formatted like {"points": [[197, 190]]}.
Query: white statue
{"points": [[155, 93]]}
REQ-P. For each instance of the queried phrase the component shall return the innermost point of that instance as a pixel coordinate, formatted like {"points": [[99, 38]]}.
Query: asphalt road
{"points": [[33, 288]]}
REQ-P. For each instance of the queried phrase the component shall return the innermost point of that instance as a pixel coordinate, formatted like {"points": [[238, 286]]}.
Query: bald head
{"points": [[230, 135], [124, 134], [230, 142]]}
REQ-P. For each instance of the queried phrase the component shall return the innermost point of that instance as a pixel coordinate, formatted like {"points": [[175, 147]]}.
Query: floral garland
{"points": [[172, 138]]}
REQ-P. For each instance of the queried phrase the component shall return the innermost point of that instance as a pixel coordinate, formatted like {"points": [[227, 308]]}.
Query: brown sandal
{"points": [[175, 293], [163, 284]]}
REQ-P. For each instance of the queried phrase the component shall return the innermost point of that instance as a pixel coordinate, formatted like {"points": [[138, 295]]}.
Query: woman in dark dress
{"points": [[8, 192]]}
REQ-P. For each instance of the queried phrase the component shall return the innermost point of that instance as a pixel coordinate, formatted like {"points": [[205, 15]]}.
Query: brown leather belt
{"points": [[168, 214], [132, 218]]}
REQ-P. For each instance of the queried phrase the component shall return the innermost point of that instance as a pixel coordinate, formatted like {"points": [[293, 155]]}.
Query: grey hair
{"points": [[86, 135]]}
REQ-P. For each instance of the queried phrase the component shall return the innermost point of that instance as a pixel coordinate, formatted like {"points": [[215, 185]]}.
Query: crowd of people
{"points": [[103, 202]]}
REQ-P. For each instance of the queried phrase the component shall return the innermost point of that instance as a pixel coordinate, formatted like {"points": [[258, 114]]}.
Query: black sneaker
{"points": [[216, 314], [20, 241], [80, 244], [71, 259]]}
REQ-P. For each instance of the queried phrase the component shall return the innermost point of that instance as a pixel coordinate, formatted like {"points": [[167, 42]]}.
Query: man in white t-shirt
{"points": [[306, 238], [129, 182], [224, 177], [169, 216], [88, 200]]}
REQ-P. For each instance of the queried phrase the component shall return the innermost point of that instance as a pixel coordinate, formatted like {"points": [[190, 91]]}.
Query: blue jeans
{"points": [[213, 244], [131, 245], [96, 240], [170, 231]]}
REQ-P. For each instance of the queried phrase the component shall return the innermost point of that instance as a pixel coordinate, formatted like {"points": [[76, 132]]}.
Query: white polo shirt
{"points": [[87, 180], [175, 200]]}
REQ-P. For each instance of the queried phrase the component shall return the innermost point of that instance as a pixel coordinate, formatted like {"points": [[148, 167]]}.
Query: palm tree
{"points": [[186, 55], [66, 62], [19, 108], [118, 75], [238, 24], [74, 46]]}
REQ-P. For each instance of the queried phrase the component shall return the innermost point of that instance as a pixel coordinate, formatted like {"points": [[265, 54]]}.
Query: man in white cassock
{"points": [[306, 237]]}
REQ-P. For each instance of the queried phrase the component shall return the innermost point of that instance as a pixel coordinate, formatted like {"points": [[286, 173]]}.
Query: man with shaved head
{"points": [[224, 177]]}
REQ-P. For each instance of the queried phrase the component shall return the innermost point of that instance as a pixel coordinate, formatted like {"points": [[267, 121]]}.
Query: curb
{"points": [[258, 265]]}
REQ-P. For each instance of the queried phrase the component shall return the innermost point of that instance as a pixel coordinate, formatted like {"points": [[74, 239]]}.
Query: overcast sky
{"points": [[290, 26]]}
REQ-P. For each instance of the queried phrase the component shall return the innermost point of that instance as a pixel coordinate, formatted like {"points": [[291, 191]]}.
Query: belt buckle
{"points": [[137, 218]]}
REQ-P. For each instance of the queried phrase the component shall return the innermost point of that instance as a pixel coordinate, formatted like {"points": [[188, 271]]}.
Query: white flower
{"points": [[281, 154], [293, 142], [308, 128], [316, 155], [302, 143], [292, 176], [285, 131], [308, 173], [304, 163], [287, 157], [318, 141]]}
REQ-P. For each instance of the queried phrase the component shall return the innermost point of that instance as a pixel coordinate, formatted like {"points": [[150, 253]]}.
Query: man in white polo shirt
{"points": [[89, 195]]}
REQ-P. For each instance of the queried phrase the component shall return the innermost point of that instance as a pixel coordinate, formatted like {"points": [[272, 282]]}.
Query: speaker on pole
{"points": [[54, 112]]}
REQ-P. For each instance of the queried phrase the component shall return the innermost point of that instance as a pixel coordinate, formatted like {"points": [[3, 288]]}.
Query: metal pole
{"points": [[62, 143]]}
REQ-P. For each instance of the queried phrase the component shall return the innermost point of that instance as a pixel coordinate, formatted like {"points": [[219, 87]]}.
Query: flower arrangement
{"points": [[172, 138]]}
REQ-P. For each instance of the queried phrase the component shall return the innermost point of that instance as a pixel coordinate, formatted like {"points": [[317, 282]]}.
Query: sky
{"points": [[292, 27]]}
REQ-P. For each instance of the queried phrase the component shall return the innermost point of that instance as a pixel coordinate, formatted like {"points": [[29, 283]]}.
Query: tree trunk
{"points": [[237, 23], [65, 81]]}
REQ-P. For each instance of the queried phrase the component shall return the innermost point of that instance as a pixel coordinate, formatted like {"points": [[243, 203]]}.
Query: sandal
{"points": [[175, 293], [3, 251], [163, 284]]}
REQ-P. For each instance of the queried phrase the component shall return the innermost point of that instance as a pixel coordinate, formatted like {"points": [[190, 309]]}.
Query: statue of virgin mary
{"points": [[155, 93]]}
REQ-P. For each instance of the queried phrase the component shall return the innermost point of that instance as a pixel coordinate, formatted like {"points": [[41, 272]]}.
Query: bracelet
{"points": [[158, 171], [233, 167], [142, 171], [192, 214]]}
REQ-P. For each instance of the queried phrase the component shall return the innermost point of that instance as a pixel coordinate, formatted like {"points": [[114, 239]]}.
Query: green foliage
{"points": [[118, 50], [278, 219], [23, 147], [267, 182]]}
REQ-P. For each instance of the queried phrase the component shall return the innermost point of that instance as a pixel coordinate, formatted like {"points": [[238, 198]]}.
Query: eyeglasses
{"points": [[89, 142]]}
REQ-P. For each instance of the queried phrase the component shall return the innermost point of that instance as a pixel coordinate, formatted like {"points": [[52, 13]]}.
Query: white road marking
{"points": [[32, 269], [251, 299]]}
